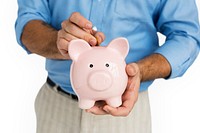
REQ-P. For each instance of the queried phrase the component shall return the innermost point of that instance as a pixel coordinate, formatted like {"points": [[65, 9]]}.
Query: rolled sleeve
{"points": [[27, 11], [178, 21], [180, 52]]}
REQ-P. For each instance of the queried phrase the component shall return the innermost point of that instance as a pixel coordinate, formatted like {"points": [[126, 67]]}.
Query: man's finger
{"points": [[131, 70], [81, 21], [63, 46], [97, 111], [99, 36], [66, 36], [78, 32], [120, 111]]}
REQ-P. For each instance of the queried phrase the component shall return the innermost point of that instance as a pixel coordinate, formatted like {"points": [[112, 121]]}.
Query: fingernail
{"points": [[93, 42], [88, 25]]}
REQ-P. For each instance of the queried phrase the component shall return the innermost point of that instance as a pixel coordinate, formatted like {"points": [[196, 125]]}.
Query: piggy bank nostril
{"points": [[91, 65], [107, 65], [99, 81]]}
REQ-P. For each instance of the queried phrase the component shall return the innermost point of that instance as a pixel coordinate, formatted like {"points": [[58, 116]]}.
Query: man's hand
{"points": [[77, 27], [129, 97]]}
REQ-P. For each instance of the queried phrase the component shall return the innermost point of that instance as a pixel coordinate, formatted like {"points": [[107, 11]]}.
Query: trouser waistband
{"points": [[59, 89]]}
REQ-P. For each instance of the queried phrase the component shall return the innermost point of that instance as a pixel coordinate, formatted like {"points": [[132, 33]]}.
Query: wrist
{"points": [[153, 67], [140, 71]]}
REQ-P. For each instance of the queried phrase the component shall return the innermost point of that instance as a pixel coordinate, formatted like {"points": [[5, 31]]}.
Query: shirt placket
{"points": [[97, 13]]}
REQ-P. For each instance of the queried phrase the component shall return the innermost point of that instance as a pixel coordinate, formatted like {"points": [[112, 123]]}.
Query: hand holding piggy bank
{"points": [[98, 73]]}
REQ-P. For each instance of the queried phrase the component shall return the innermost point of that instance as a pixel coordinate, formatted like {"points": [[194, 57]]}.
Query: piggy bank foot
{"points": [[114, 102], [86, 104]]}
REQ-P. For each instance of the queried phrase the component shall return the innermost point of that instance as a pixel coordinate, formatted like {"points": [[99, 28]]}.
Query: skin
{"points": [[42, 39]]}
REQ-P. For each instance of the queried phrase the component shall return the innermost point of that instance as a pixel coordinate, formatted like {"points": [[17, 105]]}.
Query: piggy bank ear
{"points": [[77, 47], [121, 45]]}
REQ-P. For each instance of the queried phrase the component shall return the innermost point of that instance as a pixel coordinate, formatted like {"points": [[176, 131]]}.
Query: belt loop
{"points": [[55, 88]]}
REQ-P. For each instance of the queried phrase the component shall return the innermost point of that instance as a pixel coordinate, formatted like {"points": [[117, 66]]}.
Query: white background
{"points": [[175, 104]]}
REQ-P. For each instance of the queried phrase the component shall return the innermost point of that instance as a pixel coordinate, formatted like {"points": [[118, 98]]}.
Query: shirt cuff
{"points": [[180, 53]]}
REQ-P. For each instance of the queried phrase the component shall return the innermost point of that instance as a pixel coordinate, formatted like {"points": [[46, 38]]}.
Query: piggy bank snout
{"points": [[100, 80]]}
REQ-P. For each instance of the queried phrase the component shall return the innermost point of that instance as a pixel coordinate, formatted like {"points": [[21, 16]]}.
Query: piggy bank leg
{"points": [[86, 104], [114, 101]]}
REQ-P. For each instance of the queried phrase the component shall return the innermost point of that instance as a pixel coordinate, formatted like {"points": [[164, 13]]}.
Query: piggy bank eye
{"points": [[107, 65], [91, 65]]}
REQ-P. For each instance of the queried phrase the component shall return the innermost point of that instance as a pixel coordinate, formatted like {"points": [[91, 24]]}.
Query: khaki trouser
{"points": [[59, 113]]}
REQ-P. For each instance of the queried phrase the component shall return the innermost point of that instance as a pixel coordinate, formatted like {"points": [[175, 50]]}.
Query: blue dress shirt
{"points": [[137, 20]]}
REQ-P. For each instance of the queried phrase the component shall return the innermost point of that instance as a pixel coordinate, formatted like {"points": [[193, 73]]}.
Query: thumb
{"points": [[132, 69]]}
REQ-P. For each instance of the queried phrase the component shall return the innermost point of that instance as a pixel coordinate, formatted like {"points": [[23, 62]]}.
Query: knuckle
{"points": [[63, 24], [126, 113], [70, 28], [59, 33], [68, 37], [86, 37], [74, 15]]}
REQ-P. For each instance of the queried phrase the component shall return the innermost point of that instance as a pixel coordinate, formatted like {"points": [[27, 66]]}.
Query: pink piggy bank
{"points": [[98, 73]]}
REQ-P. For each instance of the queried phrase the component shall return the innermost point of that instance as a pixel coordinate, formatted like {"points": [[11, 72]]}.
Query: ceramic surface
{"points": [[98, 73]]}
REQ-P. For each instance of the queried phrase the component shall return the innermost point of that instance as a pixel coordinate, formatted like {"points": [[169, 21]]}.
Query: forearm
{"points": [[153, 67], [40, 38]]}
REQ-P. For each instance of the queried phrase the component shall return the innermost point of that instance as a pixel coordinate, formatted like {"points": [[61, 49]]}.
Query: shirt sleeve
{"points": [[178, 21], [30, 10]]}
